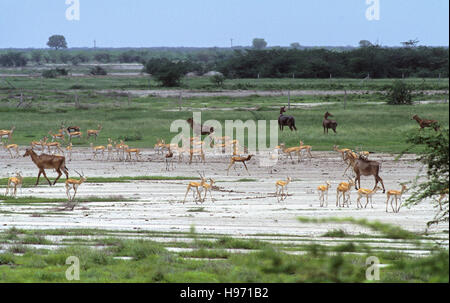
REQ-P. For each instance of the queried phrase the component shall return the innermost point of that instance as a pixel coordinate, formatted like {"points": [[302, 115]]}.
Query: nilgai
{"points": [[286, 120], [327, 123], [44, 162]]}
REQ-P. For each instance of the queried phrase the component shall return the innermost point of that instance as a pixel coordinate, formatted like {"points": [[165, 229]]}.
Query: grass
{"points": [[31, 200]]}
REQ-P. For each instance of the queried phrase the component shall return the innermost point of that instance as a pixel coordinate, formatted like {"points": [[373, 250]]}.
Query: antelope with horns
{"points": [[280, 186], [74, 184], [94, 132], [197, 186], [238, 159], [15, 182]]}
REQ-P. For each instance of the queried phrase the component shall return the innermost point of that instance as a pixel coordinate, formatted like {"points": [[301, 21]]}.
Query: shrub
{"points": [[53, 73], [217, 80], [98, 71], [399, 93], [165, 71]]}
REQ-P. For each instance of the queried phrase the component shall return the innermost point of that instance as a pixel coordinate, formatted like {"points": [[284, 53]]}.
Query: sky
{"points": [[210, 23]]}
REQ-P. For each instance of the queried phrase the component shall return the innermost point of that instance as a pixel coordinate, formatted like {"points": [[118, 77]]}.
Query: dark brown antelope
{"points": [[426, 123], [364, 167], [327, 123], [44, 162], [286, 120]]}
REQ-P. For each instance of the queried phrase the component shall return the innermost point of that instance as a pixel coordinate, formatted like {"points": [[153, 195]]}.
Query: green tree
{"points": [[295, 45], [399, 93], [259, 43], [365, 43], [435, 155], [57, 42], [165, 71]]}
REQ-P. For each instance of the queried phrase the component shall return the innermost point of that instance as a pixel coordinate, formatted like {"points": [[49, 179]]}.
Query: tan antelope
{"points": [[238, 159], [14, 147], [109, 148], [289, 151], [197, 152], [94, 132], [443, 195], [280, 186], [197, 186], [55, 145], [74, 184], [323, 191], [98, 149], [368, 194], [342, 151], [74, 135], [15, 182], [343, 190], [169, 159], [7, 133], [306, 148], [58, 136], [69, 151], [135, 151], [40, 143], [208, 188], [397, 195]]}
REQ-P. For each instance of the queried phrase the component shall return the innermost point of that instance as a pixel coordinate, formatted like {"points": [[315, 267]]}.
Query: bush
{"points": [[13, 59], [167, 72], [400, 93], [217, 80], [54, 73], [98, 71]]}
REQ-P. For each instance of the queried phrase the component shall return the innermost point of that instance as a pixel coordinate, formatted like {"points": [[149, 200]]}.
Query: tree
{"points": [[295, 45], [365, 43], [57, 42], [259, 43], [399, 93], [13, 59], [435, 155], [165, 71], [410, 43]]}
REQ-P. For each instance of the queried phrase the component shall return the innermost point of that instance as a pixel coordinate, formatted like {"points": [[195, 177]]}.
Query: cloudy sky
{"points": [[208, 23]]}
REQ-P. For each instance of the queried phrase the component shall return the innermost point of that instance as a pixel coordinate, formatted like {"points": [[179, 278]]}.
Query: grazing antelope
{"points": [[94, 132], [58, 136], [98, 149], [7, 133], [74, 184], [444, 194], [130, 151], [17, 182], [343, 190], [197, 186], [14, 147], [286, 120], [236, 159], [290, 150], [426, 123], [280, 186], [44, 162], [323, 191], [208, 188], [327, 123], [363, 192], [306, 148], [397, 194]]}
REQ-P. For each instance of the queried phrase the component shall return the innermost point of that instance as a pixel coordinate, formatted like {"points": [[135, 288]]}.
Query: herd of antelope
{"points": [[194, 147]]}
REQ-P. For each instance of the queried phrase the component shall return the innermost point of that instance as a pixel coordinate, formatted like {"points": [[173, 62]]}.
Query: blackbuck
{"points": [[74, 184], [44, 162], [59, 136], [280, 187], [14, 182], [237, 159], [368, 194], [323, 193], [94, 132], [397, 195]]}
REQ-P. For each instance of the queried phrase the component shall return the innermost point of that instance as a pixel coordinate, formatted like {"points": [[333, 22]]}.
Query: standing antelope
{"points": [[397, 194], [94, 132], [14, 147], [327, 123], [343, 190], [241, 160], [342, 151], [307, 148], [290, 150], [58, 136], [444, 194], [109, 148], [56, 145], [7, 133], [74, 184], [323, 191], [69, 151], [100, 149], [74, 135], [17, 182], [130, 151], [363, 192], [279, 189], [197, 186], [169, 159]]}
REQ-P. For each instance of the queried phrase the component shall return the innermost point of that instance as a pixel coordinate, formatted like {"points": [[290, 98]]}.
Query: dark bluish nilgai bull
{"points": [[286, 120]]}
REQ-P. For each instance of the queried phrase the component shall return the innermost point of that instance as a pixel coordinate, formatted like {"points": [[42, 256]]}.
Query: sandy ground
{"points": [[239, 208]]}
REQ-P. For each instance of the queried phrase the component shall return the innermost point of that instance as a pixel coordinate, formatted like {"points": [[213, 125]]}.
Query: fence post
{"points": [[289, 99]]}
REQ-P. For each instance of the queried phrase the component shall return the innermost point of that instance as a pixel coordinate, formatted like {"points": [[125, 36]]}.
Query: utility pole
{"points": [[231, 42], [95, 44]]}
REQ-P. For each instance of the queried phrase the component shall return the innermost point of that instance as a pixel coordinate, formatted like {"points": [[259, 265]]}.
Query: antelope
{"points": [[71, 129], [56, 145], [58, 136], [69, 150], [130, 151], [342, 151], [271, 159], [279, 189], [323, 190], [327, 123], [74, 184], [290, 150], [169, 159], [14, 147], [208, 187], [44, 162], [40, 143], [363, 192], [109, 147], [74, 135], [350, 159], [197, 186], [94, 132], [286, 120], [236, 159], [17, 182], [426, 123], [196, 152], [159, 146], [343, 190], [7, 133], [307, 148], [397, 194], [96, 149], [365, 167], [444, 194]]}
